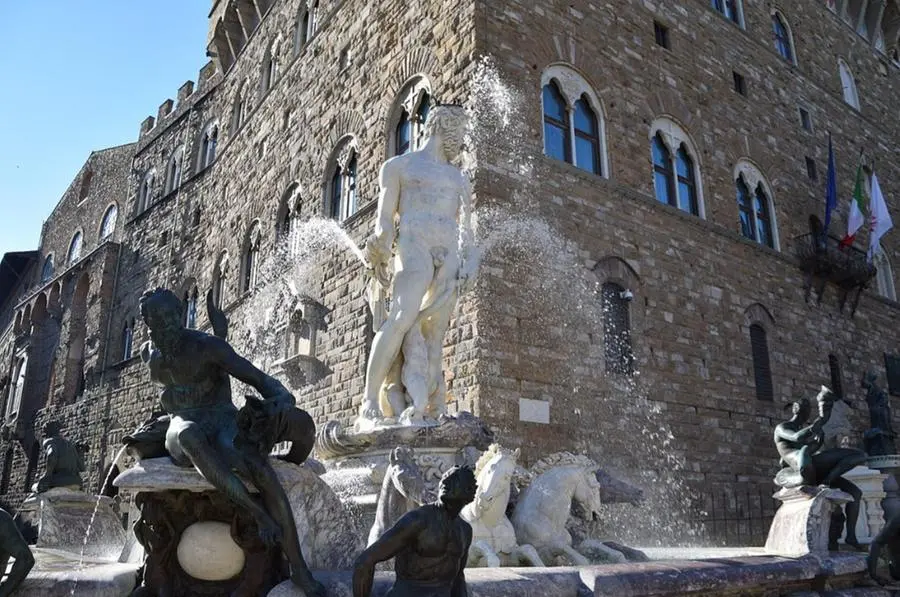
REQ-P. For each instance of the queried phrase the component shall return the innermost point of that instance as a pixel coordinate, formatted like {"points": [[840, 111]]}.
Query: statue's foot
{"points": [[308, 584], [855, 544], [370, 411]]}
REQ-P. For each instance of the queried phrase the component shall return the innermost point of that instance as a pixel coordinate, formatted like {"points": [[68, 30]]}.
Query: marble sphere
{"points": [[207, 552]]}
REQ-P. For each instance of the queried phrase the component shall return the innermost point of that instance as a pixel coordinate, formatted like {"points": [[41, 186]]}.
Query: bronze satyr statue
{"points": [[207, 431], [12, 544], [430, 544], [64, 461], [804, 463]]}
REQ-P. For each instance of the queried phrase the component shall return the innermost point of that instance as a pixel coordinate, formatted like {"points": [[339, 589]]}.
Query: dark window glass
{"points": [[728, 8], [587, 138], [557, 143], [127, 339], [805, 120], [763, 218], [762, 371], [687, 184], [403, 134], [661, 32], [664, 177], [745, 210], [782, 39], [351, 187], [422, 116], [837, 382], [617, 330], [811, 169], [334, 210], [740, 85]]}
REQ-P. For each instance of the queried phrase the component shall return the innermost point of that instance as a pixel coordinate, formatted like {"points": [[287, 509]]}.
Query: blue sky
{"points": [[79, 76]]}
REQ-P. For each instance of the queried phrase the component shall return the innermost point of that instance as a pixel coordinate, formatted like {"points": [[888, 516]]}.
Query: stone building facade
{"points": [[651, 336]]}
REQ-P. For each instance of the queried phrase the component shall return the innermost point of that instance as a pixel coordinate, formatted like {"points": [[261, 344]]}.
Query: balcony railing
{"points": [[823, 259]]}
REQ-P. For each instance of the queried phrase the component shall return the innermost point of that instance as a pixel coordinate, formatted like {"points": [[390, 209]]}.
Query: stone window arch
{"points": [[250, 258], [759, 325], [220, 281], [406, 125], [270, 66], [783, 36], [848, 85], [619, 283], [206, 151], [17, 386], [47, 270], [676, 167], [239, 107], [730, 9], [887, 39], [145, 191], [756, 205], [884, 277], [174, 170], [574, 121], [75, 247], [307, 24], [108, 223], [341, 192]]}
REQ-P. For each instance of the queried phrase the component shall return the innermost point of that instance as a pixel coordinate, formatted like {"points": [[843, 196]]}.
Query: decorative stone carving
{"points": [[871, 515], [423, 196], [802, 523], [402, 490]]}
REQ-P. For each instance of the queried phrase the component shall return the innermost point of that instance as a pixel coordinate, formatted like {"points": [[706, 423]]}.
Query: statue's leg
{"points": [[185, 438], [851, 509], [24, 562], [415, 369], [602, 552], [394, 394], [434, 330], [837, 461], [527, 555], [482, 555], [263, 476], [410, 284]]}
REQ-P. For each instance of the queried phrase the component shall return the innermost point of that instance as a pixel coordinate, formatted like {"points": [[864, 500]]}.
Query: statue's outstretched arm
{"points": [[386, 547], [803, 435], [242, 369]]}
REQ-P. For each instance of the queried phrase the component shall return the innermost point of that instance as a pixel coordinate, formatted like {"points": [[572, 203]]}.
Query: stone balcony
{"points": [[823, 260]]}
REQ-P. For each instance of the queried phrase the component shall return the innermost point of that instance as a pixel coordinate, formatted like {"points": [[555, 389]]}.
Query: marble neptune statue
{"points": [[424, 205]]}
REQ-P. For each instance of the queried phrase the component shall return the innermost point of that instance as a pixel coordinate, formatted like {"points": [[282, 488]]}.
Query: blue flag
{"points": [[831, 200]]}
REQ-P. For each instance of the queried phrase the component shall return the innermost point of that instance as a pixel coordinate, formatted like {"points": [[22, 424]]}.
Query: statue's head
{"points": [[52, 429], [801, 409], [448, 124], [457, 487], [163, 312]]}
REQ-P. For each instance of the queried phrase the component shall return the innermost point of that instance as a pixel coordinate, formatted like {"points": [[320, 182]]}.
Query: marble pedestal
{"points": [[76, 522], [357, 462], [198, 543], [802, 523]]}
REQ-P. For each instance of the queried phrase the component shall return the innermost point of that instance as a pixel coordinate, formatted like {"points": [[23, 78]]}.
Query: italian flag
{"points": [[856, 217]]}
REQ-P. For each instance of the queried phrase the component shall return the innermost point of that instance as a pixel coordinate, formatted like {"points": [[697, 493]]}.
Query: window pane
{"points": [[763, 220], [684, 164], [585, 120], [660, 153], [335, 207], [662, 183], [762, 371], [554, 104], [686, 197], [587, 155], [555, 141], [403, 134], [351, 187], [616, 330]]}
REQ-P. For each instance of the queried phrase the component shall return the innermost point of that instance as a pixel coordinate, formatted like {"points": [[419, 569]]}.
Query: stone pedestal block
{"points": [[72, 521], [802, 523]]}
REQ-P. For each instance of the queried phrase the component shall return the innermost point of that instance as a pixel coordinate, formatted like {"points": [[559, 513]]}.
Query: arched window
{"points": [[269, 67], [17, 387], [617, 329], [145, 191], [676, 176], [74, 253], [341, 195], [756, 208], [108, 224], [190, 309], [409, 115], [663, 174], [783, 42], [573, 120], [587, 137], [220, 278], [208, 142], [250, 259], [127, 339], [557, 142], [885, 276], [239, 109], [307, 23], [730, 8], [848, 85], [837, 381], [174, 169], [47, 270], [762, 371]]}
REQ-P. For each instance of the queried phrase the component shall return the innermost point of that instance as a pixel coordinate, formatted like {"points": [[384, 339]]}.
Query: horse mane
{"points": [[488, 455], [561, 459]]}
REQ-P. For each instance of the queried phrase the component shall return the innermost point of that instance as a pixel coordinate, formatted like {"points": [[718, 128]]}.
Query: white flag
{"points": [[879, 218]]}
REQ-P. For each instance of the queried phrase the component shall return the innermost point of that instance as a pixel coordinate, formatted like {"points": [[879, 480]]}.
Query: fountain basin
{"points": [[809, 576], [62, 574]]}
